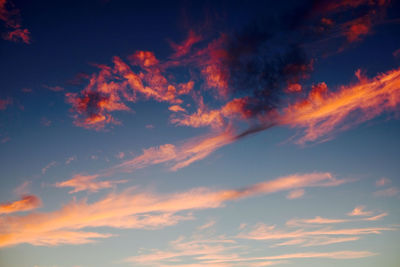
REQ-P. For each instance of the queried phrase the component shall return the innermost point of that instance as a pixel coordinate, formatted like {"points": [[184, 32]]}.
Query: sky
{"points": [[199, 133]]}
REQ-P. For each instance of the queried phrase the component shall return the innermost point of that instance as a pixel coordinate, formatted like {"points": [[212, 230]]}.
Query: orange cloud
{"points": [[112, 87], [82, 182], [176, 108], [285, 183], [324, 113], [130, 209], [177, 157], [216, 118], [27, 202]]}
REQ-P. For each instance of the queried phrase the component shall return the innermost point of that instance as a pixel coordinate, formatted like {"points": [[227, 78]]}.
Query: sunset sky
{"points": [[199, 133]]}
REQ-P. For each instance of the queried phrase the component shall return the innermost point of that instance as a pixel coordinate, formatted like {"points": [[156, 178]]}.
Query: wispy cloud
{"points": [[383, 181], [27, 202], [314, 221], [130, 209], [306, 238], [70, 159], [11, 18], [389, 192], [359, 211], [205, 250], [207, 225], [48, 166], [54, 88], [4, 103], [81, 182], [324, 113], [175, 156], [295, 194]]}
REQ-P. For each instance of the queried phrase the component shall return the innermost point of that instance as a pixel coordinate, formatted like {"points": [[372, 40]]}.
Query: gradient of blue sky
{"points": [[76, 194]]}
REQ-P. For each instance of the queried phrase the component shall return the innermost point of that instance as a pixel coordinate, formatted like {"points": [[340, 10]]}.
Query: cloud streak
{"points": [[26, 203], [130, 209], [81, 182]]}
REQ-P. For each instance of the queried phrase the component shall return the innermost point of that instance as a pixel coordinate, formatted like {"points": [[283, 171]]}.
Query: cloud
{"points": [[23, 189], [206, 250], [359, 211], [318, 221], [376, 217], [295, 194], [383, 181], [269, 232], [216, 118], [70, 159], [184, 48], [176, 108], [314, 221], [306, 238], [4, 103], [112, 87], [284, 184], [130, 209], [54, 88], [48, 166], [324, 113], [11, 18], [389, 192], [81, 182], [45, 121], [396, 53], [176, 156], [207, 225], [27, 202], [18, 35], [120, 155], [200, 249]]}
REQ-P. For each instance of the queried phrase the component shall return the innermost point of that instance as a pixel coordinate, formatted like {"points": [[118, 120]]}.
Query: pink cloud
{"points": [[48, 166], [359, 211], [314, 221], [89, 183], [70, 159], [383, 181], [389, 192], [295, 194]]}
